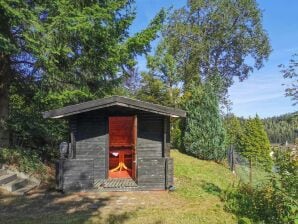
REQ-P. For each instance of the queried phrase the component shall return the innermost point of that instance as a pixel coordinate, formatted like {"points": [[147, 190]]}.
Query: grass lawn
{"points": [[196, 200]]}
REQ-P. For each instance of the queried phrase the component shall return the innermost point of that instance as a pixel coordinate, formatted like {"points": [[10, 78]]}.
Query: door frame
{"points": [[134, 164], [135, 129]]}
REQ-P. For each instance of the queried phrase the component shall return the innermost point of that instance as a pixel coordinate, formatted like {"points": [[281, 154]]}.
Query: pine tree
{"points": [[233, 129], [204, 132], [54, 53], [19, 27], [254, 144]]}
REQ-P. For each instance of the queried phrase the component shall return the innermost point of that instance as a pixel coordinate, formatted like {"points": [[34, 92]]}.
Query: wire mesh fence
{"points": [[247, 172]]}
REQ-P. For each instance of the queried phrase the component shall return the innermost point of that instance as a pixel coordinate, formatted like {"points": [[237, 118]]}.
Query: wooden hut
{"points": [[116, 143]]}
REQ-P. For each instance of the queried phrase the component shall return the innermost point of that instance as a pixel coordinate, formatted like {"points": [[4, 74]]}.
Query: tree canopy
{"points": [[217, 37], [55, 53], [254, 143], [290, 72], [282, 129]]}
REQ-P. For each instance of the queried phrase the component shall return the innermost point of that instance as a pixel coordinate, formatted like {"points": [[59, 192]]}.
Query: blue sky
{"points": [[262, 93]]}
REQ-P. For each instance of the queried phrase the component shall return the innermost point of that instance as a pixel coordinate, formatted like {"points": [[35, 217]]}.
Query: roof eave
{"points": [[113, 101]]}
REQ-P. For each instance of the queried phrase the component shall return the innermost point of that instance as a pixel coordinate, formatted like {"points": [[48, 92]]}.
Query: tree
{"points": [[216, 37], [233, 129], [204, 133], [254, 144], [286, 162], [68, 51], [291, 72], [281, 129], [162, 65], [153, 90], [18, 26], [88, 44]]}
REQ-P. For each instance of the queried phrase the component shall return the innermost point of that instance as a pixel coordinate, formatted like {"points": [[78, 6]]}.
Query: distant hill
{"points": [[282, 129]]}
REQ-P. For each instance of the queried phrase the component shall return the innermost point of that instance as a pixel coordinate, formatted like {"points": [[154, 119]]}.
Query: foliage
{"points": [[153, 90], [233, 129], [177, 134], [204, 135], [61, 53], [163, 67], [274, 201], [28, 127], [216, 37], [244, 221], [24, 160], [160, 83], [286, 163], [282, 129], [88, 44], [254, 143], [263, 204], [18, 29], [291, 72]]}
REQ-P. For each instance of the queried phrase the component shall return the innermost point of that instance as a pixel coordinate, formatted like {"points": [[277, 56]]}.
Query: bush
{"points": [[263, 204], [244, 221], [26, 161], [176, 135]]}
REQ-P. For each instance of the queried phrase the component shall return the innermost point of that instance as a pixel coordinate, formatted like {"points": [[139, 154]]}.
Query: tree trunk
{"points": [[5, 74]]}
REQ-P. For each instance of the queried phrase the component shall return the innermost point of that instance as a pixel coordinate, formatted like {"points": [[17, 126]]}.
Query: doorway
{"points": [[122, 146]]}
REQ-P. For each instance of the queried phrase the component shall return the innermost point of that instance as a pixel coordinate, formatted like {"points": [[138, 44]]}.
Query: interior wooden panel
{"points": [[122, 145], [120, 130]]}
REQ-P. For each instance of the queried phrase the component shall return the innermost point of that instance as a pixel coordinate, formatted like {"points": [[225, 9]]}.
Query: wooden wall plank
{"points": [[76, 174], [151, 172]]}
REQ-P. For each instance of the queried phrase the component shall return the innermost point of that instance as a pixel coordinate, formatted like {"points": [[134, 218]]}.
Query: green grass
{"points": [[259, 174], [199, 185]]}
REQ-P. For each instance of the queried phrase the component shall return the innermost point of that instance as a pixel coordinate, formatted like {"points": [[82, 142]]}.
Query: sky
{"points": [[262, 93]]}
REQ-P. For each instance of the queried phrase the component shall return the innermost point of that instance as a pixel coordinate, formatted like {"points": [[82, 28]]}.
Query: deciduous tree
{"points": [[291, 72], [216, 37]]}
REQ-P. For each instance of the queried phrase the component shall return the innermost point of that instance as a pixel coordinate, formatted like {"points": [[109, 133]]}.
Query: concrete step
{"points": [[2, 172], [15, 184], [6, 178], [25, 189]]}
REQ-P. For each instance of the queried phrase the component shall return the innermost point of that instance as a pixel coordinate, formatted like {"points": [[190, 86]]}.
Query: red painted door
{"points": [[134, 134]]}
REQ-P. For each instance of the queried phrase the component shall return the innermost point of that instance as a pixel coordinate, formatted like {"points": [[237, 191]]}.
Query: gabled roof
{"points": [[113, 101]]}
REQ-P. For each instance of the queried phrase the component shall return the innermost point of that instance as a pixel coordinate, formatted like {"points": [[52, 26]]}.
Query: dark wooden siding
{"points": [[166, 137], [150, 136], [75, 174], [90, 136], [151, 173], [169, 172]]}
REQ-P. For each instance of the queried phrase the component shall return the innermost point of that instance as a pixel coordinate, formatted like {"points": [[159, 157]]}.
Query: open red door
{"points": [[134, 162], [122, 139]]}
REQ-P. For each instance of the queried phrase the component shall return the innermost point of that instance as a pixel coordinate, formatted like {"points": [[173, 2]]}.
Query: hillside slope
{"points": [[196, 200]]}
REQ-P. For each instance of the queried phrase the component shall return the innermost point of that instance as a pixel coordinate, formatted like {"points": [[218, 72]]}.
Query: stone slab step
{"points": [[2, 172], [25, 189], [15, 184], [6, 178]]}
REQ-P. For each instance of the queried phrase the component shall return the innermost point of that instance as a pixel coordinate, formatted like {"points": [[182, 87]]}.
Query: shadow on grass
{"points": [[54, 207]]}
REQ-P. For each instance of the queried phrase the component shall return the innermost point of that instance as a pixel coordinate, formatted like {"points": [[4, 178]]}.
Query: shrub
{"points": [[26, 161], [264, 204], [244, 221]]}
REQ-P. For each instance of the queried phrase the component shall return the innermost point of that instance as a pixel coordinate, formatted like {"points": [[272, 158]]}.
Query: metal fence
{"points": [[242, 168]]}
